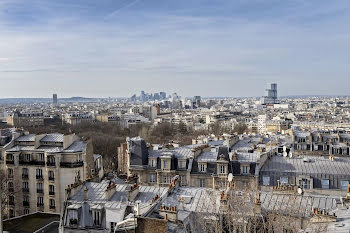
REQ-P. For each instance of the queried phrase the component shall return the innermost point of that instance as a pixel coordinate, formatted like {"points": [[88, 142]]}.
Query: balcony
{"points": [[51, 178], [25, 190], [40, 191], [51, 193], [11, 203], [25, 176], [39, 177], [52, 207], [71, 164], [10, 162], [26, 203], [51, 164], [40, 204], [11, 190], [32, 162]]}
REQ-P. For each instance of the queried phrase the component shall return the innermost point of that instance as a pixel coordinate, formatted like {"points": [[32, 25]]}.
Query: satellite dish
{"points": [[300, 191], [285, 154], [230, 177]]}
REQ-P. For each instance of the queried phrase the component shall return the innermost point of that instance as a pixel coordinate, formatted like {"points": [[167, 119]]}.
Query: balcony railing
{"points": [[39, 177], [25, 176], [25, 190], [52, 207], [71, 164], [40, 204], [11, 203], [26, 203], [40, 191], [51, 178], [50, 164], [10, 162], [51, 193], [11, 190], [32, 162]]}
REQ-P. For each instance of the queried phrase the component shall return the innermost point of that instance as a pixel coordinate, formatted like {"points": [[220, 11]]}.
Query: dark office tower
{"points": [[162, 95], [54, 98]]}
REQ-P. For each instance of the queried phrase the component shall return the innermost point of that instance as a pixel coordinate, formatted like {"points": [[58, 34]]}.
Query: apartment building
{"points": [[25, 119], [198, 165], [321, 143], [39, 168]]}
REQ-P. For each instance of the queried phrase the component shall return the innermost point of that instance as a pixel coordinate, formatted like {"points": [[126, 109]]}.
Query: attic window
{"points": [[96, 215]]}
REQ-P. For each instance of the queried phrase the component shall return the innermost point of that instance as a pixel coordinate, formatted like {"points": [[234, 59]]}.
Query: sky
{"points": [[101, 48]]}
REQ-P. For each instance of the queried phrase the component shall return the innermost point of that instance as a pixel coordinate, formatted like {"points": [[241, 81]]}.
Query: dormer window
{"points": [[222, 169], [97, 218], [165, 164], [245, 169], [182, 164], [153, 162], [202, 167]]}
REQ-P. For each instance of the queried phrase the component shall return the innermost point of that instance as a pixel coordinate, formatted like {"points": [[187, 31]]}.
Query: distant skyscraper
{"points": [[271, 94], [54, 98], [162, 95]]}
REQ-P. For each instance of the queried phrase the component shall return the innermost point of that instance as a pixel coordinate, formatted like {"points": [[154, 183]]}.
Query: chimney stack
{"points": [[86, 193]]}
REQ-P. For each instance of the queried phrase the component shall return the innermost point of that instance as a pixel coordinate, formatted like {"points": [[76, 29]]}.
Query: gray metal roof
{"points": [[54, 137], [26, 138], [77, 146], [316, 165], [207, 157], [296, 205]]}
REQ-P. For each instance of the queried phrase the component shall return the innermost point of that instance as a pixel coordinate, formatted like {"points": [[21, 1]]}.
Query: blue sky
{"points": [[100, 48]]}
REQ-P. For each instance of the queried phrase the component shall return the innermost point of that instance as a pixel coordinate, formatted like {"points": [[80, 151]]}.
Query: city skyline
{"points": [[211, 48]]}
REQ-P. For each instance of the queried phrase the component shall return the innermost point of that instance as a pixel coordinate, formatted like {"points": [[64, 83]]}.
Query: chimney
{"points": [[110, 190], [133, 190], [181, 203], [86, 193]]}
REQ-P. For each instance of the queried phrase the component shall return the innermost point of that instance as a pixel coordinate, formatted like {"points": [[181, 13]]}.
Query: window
{"points": [[305, 183], [51, 175], [153, 163], [202, 183], [10, 173], [166, 179], [26, 211], [24, 172], [39, 173], [266, 180], [26, 198], [344, 184], [12, 213], [152, 178], [284, 181], [41, 157], [165, 164], [39, 187], [222, 169], [202, 167], [27, 157], [182, 164], [96, 217], [40, 201], [25, 185], [11, 200], [245, 169], [183, 180], [52, 203], [51, 189], [325, 184]]}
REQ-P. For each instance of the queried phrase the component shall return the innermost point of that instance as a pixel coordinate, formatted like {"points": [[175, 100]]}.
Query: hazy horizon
{"points": [[208, 48]]}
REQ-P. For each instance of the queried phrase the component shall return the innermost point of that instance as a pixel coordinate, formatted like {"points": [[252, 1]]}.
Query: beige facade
{"points": [[39, 168]]}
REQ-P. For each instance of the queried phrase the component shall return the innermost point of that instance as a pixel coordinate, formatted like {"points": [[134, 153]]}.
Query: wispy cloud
{"points": [[149, 41]]}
